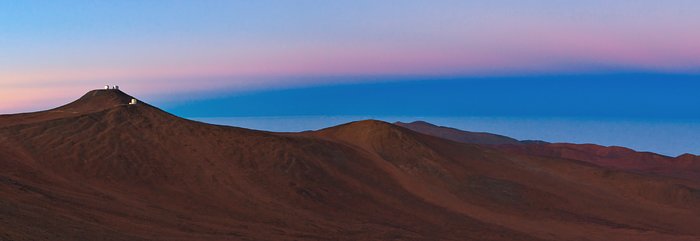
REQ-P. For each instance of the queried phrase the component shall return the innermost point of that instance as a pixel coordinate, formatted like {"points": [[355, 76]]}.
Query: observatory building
{"points": [[116, 87]]}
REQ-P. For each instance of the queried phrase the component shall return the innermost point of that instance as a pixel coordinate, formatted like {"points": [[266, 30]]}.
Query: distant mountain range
{"points": [[103, 169], [458, 135], [620, 158]]}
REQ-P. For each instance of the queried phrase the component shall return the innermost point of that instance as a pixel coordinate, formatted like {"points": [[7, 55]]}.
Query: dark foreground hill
{"points": [[100, 169]]}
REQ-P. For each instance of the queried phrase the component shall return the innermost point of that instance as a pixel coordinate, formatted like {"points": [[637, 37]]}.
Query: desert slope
{"points": [[457, 135], [100, 169], [130, 172], [570, 200], [685, 166]]}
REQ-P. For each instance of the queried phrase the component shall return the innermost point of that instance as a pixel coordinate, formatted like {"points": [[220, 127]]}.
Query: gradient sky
{"points": [[625, 66], [52, 51]]}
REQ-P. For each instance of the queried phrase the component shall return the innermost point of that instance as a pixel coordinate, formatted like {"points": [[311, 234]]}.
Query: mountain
{"points": [[93, 101], [685, 166], [101, 169], [458, 135]]}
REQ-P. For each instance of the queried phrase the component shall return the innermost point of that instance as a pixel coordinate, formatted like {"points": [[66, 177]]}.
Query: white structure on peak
{"points": [[106, 87], [133, 102], [116, 87]]}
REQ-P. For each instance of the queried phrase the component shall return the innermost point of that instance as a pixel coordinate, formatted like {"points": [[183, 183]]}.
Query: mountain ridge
{"points": [[683, 166], [458, 135]]}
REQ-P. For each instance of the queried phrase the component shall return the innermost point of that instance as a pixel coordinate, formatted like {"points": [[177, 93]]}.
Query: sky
{"points": [[630, 59], [54, 50]]}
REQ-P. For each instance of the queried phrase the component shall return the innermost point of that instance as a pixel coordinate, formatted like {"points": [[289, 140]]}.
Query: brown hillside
{"points": [[458, 135], [98, 169], [619, 158], [685, 166], [92, 101]]}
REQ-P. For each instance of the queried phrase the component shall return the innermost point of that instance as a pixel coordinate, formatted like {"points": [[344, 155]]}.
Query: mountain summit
{"points": [[97, 100], [101, 169], [93, 101]]}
